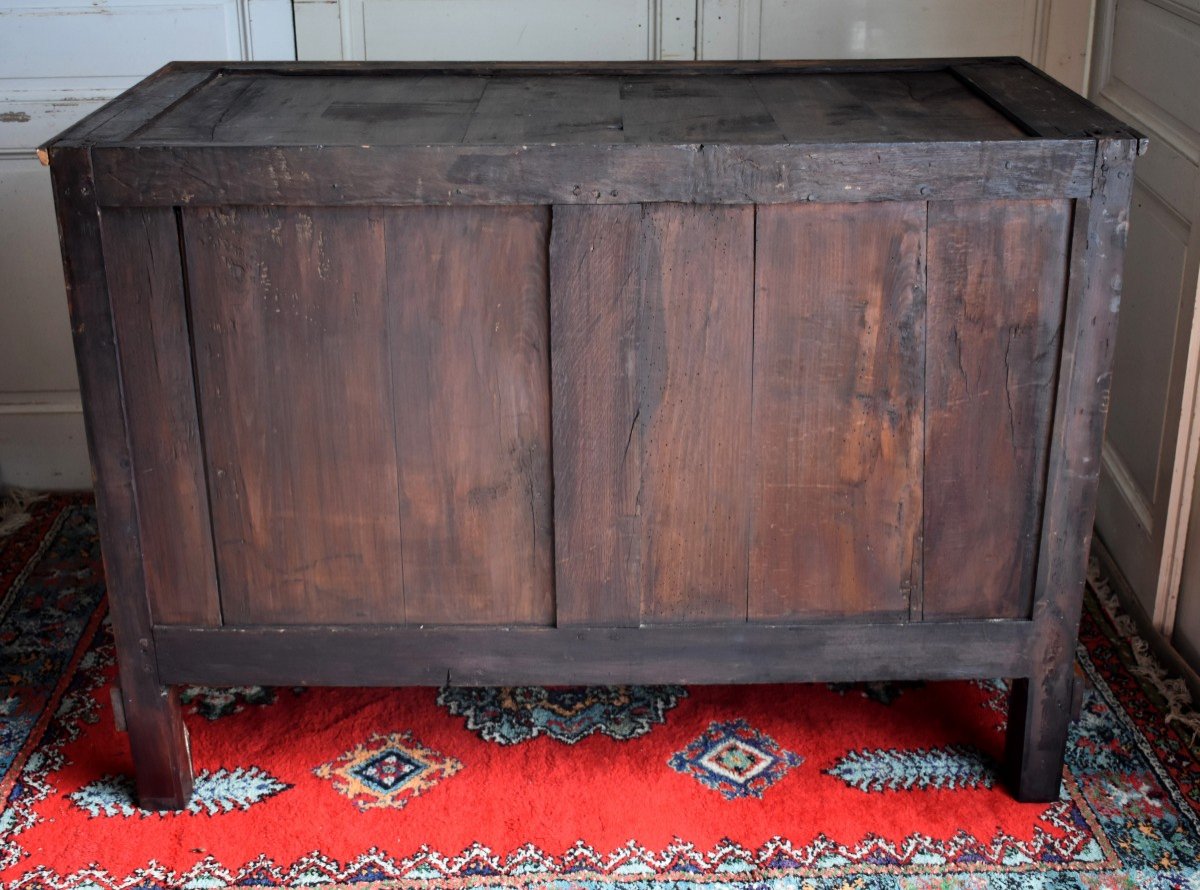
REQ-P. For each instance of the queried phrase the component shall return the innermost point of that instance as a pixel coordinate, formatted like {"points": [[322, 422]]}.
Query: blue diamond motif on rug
{"points": [[735, 759], [388, 770]]}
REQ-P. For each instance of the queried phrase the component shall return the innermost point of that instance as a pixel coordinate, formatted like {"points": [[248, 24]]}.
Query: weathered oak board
{"points": [[996, 293], [149, 312], [468, 320], [651, 333], [838, 410], [290, 325]]}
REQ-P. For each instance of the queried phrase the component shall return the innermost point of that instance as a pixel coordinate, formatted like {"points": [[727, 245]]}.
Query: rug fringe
{"points": [[1181, 710], [14, 509]]}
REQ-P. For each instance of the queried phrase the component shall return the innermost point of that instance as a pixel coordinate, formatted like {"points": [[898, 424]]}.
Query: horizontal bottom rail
{"points": [[477, 656]]}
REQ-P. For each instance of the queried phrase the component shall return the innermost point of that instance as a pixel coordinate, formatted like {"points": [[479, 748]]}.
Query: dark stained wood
{"points": [[651, 337], [1040, 104], [738, 653], [268, 110], [149, 313], [545, 109], [997, 279], [735, 395], [714, 108], [713, 101], [289, 321], [916, 106], [839, 359], [134, 108], [157, 736], [378, 175], [1040, 704], [467, 295]]}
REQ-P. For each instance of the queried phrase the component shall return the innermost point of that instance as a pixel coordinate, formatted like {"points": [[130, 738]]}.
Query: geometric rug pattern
{"points": [[775, 786]]}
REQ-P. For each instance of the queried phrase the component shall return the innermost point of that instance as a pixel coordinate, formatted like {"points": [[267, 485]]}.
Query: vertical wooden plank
{"points": [[150, 322], [838, 380], [157, 735], [290, 328], [1040, 704], [468, 313], [651, 326], [997, 279]]}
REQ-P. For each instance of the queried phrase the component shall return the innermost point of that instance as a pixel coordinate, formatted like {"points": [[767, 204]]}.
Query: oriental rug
{"points": [[884, 785]]}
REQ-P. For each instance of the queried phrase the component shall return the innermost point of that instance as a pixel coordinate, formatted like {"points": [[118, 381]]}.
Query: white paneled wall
{"points": [[58, 61], [1055, 34], [495, 30], [1147, 71]]}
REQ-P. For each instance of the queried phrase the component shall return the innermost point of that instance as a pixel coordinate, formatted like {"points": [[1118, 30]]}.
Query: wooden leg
{"points": [[158, 740], [1039, 714]]}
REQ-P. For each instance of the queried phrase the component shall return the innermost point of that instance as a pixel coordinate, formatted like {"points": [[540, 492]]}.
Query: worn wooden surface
{"points": [[564, 173], [884, 108], [737, 653], [651, 333], [815, 434], [157, 736], [838, 367], [997, 280], [1037, 721], [290, 325], [149, 318], [467, 298]]}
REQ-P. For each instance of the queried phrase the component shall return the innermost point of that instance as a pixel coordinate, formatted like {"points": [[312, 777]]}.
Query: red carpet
{"points": [[885, 785]]}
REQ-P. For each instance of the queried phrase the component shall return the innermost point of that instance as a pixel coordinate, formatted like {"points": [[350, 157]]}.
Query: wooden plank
{"points": [[388, 656], [271, 109], [383, 175], [149, 310], [1040, 104], [548, 109], [839, 358], [1037, 722], [1001, 81], [915, 106], [292, 366], [997, 280], [713, 108], [651, 339], [157, 736], [468, 317], [123, 116]]}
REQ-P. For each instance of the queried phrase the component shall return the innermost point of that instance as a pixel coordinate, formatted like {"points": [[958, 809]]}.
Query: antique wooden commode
{"points": [[628, 373]]}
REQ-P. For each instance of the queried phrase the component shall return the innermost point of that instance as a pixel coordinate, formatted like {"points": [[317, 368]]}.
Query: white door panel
{"points": [[1053, 33], [1147, 71], [59, 61]]}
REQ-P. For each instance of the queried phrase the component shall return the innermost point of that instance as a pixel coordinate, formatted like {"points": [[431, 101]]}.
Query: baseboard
{"points": [[1160, 645], [42, 442]]}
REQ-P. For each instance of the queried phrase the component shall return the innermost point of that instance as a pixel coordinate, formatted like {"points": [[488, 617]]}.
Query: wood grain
{"points": [[291, 352], [997, 279], [483, 656], [149, 310], [838, 367], [1039, 705], [904, 106], [651, 340], [547, 109], [157, 735], [721, 173], [468, 313]]}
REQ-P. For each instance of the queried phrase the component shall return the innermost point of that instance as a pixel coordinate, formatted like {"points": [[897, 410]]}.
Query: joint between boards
{"points": [[189, 320]]}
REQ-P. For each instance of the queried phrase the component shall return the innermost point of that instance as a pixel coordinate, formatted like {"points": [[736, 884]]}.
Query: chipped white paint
{"points": [[60, 60]]}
